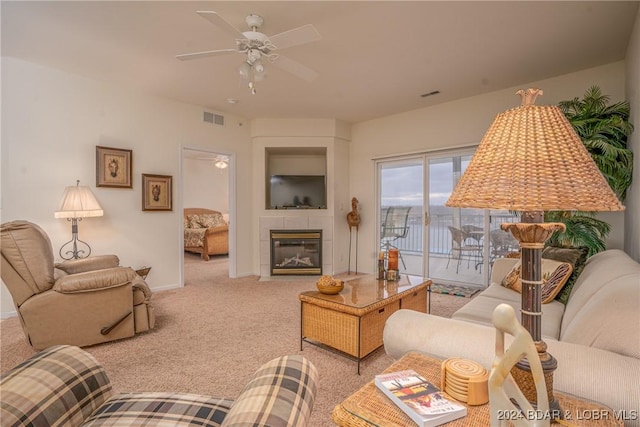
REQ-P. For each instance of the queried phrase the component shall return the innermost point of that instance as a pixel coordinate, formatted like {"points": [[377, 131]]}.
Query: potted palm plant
{"points": [[604, 130]]}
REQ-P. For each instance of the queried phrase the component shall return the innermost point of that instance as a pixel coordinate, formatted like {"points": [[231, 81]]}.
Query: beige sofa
{"points": [[595, 337], [79, 302], [205, 232]]}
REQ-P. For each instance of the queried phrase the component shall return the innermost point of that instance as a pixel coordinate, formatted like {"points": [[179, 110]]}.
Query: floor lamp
{"points": [[77, 202], [531, 160]]}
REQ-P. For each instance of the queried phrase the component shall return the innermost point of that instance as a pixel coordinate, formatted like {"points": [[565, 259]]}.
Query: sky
{"points": [[402, 186]]}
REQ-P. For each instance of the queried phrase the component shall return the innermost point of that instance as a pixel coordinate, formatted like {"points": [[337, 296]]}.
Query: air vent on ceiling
{"points": [[213, 118]]}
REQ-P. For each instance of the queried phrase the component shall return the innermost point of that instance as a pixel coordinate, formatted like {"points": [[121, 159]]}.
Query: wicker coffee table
{"points": [[353, 320], [370, 407]]}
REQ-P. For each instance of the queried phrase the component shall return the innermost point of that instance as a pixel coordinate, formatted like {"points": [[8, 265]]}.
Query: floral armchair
{"points": [[205, 232]]}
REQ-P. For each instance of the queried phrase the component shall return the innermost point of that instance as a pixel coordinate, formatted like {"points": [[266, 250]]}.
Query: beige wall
{"points": [[457, 124], [205, 185], [632, 217], [51, 124]]}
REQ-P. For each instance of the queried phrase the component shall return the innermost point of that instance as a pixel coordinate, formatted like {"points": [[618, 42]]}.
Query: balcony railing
{"points": [[439, 235]]}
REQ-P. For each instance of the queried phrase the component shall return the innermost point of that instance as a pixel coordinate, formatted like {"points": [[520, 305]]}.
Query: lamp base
{"points": [[70, 249], [523, 376]]}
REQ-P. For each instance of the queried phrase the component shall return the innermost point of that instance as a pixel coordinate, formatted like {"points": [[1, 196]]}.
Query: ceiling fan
{"points": [[259, 48]]}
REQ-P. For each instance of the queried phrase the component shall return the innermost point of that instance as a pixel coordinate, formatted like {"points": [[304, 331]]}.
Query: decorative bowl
{"points": [[330, 286]]}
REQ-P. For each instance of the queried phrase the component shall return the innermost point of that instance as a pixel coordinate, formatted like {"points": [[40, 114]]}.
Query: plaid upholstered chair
{"points": [[66, 386]]}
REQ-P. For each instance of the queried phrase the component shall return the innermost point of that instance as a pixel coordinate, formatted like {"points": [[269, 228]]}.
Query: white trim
{"points": [[8, 315]]}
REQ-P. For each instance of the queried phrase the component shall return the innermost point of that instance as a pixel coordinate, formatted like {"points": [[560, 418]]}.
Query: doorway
{"points": [[207, 181]]}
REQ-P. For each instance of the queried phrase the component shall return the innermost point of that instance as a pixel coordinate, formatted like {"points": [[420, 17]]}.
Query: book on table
{"points": [[419, 399]]}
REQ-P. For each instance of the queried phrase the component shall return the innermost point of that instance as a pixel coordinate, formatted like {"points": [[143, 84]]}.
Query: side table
{"points": [[143, 272], [370, 407]]}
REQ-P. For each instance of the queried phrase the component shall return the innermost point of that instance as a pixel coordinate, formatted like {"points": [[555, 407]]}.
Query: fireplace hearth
{"points": [[296, 252]]}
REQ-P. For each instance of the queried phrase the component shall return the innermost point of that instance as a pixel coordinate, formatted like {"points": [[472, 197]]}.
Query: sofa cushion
{"points": [[554, 275], [576, 257], [155, 409], [603, 309], [479, 309], [609, 319]]}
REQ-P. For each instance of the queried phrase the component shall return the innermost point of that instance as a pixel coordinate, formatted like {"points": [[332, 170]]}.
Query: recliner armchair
{"points": [[77, 302]]}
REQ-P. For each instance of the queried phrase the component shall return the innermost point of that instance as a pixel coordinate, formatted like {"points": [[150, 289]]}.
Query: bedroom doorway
{"points": [[207, 182]]}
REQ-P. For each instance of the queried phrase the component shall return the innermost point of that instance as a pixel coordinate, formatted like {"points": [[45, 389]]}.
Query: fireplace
{"points": [[296, 252]]}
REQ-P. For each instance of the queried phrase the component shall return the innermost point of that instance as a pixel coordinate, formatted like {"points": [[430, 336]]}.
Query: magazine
{"points": [[419, 399]]}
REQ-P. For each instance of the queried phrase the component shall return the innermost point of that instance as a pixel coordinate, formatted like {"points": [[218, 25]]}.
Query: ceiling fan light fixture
{"points": [[258, 67], [244, 69], [253, 55]]}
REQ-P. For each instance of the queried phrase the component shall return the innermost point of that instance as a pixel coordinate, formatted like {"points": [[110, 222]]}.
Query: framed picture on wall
{"points": [[157, 192], [113, 167]]}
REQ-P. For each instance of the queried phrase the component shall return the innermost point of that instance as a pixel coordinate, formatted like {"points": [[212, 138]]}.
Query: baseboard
{"points": [[8, 315], [166, 288]]}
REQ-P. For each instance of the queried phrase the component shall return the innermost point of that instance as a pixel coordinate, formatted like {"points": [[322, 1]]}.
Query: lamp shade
{"points": [[78, 202], [531, 159]]}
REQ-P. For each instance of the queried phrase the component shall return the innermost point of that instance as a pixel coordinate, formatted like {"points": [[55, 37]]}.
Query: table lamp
{"points": [[531, 160], [77, 202]]}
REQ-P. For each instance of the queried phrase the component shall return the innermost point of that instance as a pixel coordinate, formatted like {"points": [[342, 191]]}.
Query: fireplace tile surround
{"points": [[297, 222]]}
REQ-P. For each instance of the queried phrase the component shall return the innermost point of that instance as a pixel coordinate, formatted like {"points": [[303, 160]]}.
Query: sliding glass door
{"points": [[448, 245], [456, 236]]}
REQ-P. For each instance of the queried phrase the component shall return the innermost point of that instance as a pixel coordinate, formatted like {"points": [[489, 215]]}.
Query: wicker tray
{"points": [[370, 407]]}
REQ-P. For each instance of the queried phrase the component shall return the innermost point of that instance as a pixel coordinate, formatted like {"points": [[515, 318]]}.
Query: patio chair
{"points": [[394, 227], [464, 248], [502, 244]]}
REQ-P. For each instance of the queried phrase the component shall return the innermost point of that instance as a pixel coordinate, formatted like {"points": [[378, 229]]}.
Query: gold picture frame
{"points": [[113, 167], [157, 192]]}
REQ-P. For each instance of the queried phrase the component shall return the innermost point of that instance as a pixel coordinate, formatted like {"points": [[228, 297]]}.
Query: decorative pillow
{"points": [[194, 237], [205, 220], [554, 275], [574, 256], [192, 219], [211, 220]]}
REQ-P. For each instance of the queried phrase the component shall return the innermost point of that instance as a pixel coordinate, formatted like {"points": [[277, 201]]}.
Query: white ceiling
{"points": [[375, 58]]}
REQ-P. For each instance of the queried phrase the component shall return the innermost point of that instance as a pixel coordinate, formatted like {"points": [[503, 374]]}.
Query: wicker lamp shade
{"points": [[531, 159]]}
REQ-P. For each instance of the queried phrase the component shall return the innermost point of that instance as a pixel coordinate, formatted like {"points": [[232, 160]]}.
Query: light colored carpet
{"points": [[211, 335]]}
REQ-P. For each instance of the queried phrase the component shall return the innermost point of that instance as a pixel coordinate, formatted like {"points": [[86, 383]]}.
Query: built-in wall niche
{"points": [[296, 178]]}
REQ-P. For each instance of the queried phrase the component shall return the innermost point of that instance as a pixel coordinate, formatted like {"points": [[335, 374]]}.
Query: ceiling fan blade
{"points": [[196, 55], [219, 22], [297, 36], [296, 68]]}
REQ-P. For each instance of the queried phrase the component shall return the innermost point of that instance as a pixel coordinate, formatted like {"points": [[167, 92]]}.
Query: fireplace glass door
{"points": [[296, 252]]}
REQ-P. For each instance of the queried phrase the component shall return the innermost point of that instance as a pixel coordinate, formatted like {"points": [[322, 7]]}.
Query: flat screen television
{"points": [[297, 192]]}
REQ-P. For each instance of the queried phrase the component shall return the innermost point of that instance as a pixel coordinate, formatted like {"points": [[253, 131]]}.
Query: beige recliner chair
{"points": [[78, 302]]}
